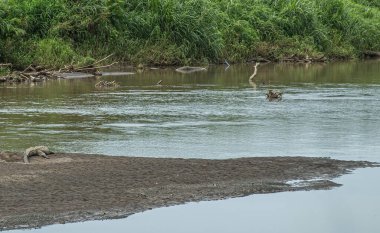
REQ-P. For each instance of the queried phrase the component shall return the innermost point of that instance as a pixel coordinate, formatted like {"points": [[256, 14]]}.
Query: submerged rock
{"points": [[274, 95]]}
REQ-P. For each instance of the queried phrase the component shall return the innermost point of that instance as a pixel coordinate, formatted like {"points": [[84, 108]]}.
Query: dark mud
{"points": [[79, 187]]}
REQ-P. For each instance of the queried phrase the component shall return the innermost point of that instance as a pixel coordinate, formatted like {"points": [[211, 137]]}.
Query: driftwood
{"points": [[271, 94], [92, 69], [190, 69], [39, 73], [255, 71], [306, 59], [259, 59], [5, 65], [28, 76], [293, 58], [103, 59], [42, 151], [251, 79], [161, 84], [227, 65], [107, 84]]}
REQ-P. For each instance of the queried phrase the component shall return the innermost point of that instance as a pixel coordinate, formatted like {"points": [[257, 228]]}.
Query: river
{"points": [[328, 110]]}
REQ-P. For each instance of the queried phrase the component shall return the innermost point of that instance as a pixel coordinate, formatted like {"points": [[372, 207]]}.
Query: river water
{"points": [[329, 110]]}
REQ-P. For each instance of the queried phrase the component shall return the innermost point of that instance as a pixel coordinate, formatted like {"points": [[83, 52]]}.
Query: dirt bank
{"points": [[78, 187]]}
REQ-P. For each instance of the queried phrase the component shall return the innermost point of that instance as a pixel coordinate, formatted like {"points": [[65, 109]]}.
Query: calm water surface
{"points": [[327, 110]]}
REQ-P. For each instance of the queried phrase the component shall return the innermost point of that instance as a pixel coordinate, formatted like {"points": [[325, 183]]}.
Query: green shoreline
{"points": [[169, 32]]}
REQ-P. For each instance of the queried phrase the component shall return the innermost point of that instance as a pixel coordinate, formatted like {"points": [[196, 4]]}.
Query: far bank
{"points": [[54, 34]]}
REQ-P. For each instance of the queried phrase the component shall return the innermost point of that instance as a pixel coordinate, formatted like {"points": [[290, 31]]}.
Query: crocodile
{"points": [[37, 150]]}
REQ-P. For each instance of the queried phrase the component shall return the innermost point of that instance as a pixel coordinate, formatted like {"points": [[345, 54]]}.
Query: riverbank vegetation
{"points": [[170, 32]]}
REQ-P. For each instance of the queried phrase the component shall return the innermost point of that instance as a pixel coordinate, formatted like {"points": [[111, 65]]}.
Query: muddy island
{"points": [[80, 187]]}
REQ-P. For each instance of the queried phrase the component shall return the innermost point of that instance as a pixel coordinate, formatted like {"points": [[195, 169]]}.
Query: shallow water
{"points": [[327, 110]]}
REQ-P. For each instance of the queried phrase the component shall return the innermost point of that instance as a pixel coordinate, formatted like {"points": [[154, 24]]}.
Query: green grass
{"points": [[171, 32]]}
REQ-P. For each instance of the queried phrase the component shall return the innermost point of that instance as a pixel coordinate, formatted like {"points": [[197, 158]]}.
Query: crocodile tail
{"points": [[26, 159]]}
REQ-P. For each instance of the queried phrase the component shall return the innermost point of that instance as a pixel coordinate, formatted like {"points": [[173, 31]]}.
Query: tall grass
{"points": [[169, 32]]}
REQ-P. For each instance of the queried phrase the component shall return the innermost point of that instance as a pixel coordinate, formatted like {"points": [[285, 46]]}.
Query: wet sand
{"points": [[79, 187]]}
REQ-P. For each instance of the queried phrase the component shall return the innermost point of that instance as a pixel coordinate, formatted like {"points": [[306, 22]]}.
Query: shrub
{"points": [[171, 32]]}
